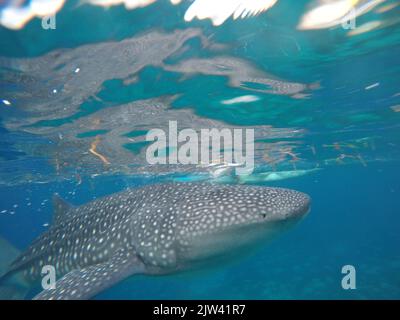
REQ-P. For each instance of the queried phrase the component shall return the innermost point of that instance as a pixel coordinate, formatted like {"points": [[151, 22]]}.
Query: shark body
{"points": [[155, 229]]}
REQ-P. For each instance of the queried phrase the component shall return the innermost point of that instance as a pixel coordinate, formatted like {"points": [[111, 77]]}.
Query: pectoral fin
{"points": [[87, 282]]}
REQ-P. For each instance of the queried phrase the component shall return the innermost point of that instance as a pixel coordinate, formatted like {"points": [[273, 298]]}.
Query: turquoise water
{"points": [[324, 106]]}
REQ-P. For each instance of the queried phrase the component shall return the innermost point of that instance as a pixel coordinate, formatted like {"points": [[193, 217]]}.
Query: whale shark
{"points": [[154, 229]]}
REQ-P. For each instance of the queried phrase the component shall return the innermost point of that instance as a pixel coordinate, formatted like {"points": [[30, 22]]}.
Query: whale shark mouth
{"points": [[235, 241]]}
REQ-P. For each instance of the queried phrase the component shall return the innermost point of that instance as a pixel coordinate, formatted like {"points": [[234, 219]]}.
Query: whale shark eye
{"points": [[264, 215]]}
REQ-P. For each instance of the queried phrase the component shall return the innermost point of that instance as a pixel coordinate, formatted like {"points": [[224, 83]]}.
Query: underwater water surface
{"points": [[76, 103]]}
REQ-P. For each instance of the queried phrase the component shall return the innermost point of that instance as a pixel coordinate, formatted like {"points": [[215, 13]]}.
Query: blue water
{"points": [[71, 87]]}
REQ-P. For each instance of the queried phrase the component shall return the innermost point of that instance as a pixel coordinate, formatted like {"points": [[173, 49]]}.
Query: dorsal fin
{"points": [[61, 207]]}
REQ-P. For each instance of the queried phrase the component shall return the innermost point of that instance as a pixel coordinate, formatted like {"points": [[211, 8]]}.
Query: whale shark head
{"points": [[180, 225], [224, 221]]}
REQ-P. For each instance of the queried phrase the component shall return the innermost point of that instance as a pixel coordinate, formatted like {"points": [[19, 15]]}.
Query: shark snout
{"points": [[297, 205], [286, 205]]}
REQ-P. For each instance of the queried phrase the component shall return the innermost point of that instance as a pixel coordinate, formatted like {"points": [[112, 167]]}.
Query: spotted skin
{"points": [[155, 229], [81, 283]]}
